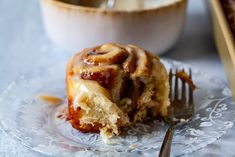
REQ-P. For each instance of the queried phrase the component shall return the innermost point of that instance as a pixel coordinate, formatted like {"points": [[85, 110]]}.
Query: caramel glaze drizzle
{"points": [[109, 65]]}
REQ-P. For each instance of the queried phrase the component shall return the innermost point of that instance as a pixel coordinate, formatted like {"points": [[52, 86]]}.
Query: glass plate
{"points": [[36, 124]]}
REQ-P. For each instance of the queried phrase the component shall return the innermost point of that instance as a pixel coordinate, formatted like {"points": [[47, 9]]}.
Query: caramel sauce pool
{"points": [[53, 100]]}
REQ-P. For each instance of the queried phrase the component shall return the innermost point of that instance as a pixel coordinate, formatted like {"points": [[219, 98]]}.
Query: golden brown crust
{"points": [[110, 85]]}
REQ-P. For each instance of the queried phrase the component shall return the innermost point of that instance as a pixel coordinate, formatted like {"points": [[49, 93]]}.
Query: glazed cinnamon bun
{"points": [[112, 86]]}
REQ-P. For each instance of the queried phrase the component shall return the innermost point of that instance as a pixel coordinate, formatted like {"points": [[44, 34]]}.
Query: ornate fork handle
{"points": [[166, 146]]}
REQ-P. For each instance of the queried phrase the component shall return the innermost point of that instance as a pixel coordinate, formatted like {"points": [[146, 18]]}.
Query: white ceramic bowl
{"points": [[77, 27]]}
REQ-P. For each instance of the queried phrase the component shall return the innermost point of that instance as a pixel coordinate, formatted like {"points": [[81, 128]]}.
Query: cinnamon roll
{"points": [[112, 86]]}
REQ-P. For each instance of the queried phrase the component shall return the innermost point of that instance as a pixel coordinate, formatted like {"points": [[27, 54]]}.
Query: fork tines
{"points": [[186, 90]]}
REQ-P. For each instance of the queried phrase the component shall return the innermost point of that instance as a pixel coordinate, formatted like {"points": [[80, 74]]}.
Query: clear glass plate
{"points": [[36, 124]]}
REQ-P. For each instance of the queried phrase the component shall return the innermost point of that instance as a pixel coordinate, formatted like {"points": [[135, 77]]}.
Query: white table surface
{"points": [[24, 46]]}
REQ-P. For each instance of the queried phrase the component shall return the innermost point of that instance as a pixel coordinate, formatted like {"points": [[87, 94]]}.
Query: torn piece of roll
{"points": [[112, 86]]}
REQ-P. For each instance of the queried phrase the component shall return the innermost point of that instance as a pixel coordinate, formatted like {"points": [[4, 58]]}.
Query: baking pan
{"points": [[224, 41]]}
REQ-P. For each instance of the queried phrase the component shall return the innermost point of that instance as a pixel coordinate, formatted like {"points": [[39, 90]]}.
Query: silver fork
{"points": [[180, 110]]}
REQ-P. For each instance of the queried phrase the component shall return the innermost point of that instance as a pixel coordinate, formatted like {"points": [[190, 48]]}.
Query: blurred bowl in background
{"points": [[76, 27]]}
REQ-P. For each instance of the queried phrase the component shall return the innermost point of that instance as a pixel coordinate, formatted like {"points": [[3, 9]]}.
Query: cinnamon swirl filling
{"points": [[111, 86]]}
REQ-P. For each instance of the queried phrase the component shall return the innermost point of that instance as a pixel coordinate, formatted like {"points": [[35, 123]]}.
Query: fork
{"points": [[180, 110]]}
